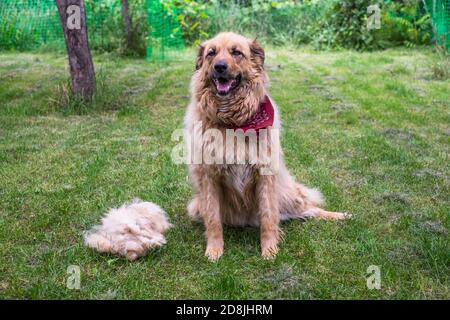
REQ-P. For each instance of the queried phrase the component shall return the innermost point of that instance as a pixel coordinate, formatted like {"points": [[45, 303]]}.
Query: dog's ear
{"points": [[257, 52], [199, 62]]}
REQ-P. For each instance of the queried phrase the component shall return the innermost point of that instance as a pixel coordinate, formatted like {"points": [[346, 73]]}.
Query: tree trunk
{"points": [[73, 21], [127, 23]]}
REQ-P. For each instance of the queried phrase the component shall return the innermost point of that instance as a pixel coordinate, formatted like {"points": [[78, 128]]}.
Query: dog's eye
{"points": [[211, 53], [236, 53]]}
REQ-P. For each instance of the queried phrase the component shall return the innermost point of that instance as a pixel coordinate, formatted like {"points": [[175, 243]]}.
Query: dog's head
{"points": [[230, 61]]}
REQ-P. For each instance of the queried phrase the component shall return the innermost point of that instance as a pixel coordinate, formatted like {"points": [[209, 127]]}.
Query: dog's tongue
{"points": [[223, 86]]}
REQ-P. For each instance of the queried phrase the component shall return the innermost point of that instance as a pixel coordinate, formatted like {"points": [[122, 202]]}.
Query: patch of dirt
{"points": [[324, 92], [397, 69], [8, 76], [333, 78], [297, 101], [34, 88], [134, 90], [307, 80], [443, 103], [424, 223], [420, 91], [403, 254], [35, 257], [434, 227], [397, 134], [302, 114], [343, 106], [285, 282], [430, 173], [418, 109], [351, 181], [394, 218], [109, 295], [4, 285], [365, 119], [393, 197]]}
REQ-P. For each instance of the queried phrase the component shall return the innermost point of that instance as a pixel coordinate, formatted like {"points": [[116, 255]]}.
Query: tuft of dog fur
{"points": [[130, 231]]}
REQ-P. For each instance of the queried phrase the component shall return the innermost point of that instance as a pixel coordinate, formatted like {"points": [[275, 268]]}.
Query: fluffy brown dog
{"points": [[229, 91]]}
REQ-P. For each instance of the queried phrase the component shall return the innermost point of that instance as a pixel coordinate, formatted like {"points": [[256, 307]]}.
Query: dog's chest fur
{"points": [[237, 185], [238, 177]]}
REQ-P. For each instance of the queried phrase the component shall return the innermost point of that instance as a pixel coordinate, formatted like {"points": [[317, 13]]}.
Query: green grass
{"points": [[371, 130]]}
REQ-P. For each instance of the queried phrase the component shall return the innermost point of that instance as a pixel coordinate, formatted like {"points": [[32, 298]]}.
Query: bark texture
{"points": [[80, 59], [127, 23]]}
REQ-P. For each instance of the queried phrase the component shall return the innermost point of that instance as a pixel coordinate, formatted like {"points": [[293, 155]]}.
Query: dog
{"points": [[229, 92]]}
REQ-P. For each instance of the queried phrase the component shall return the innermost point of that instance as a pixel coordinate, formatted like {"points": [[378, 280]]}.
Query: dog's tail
{"points": [[306, 204], [312, 197], [297, 200]]}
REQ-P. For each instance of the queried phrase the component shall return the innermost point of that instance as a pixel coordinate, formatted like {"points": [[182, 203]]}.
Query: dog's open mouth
{"points": [[224, 85]]}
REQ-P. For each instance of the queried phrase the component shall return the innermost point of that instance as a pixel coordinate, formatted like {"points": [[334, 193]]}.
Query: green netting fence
{"points": [[165, 41], [29, 24], [440, 14]]}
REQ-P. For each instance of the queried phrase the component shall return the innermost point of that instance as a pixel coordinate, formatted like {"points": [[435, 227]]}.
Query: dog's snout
{"points": [[220, 66]]}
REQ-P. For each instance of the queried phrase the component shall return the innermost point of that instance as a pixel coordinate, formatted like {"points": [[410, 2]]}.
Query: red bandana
{"points": [[262, 119]]}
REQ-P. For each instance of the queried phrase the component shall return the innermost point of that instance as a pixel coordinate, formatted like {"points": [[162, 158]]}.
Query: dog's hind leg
{"points": [[193, 209], [300, 202]]}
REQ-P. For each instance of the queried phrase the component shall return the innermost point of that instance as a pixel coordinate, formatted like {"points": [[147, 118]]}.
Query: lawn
{"points": [[371, 130]]}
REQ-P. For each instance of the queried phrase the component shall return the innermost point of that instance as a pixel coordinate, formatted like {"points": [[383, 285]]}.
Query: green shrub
{"points": [[192, 16], [323, 23], [402, 23], [348, 20], [106, 28], [277, 22], [406, 24]]}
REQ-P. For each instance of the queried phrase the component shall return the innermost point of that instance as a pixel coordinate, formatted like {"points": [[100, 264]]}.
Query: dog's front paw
{"points": [[214, 252], [269, 249]]}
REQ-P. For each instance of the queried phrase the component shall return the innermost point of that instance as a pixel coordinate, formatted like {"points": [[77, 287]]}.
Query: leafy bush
{"points": [[106, 28], [402, 23], [278, 22], [349, 24], [406, 23], [192, 16], [323, 23]]}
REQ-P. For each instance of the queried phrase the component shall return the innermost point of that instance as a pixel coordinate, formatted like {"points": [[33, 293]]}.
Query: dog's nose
{"points": [[220, 67]]}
